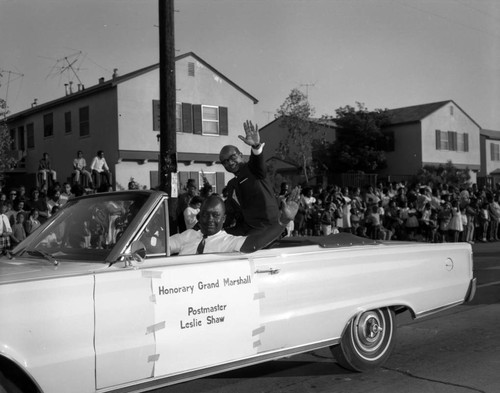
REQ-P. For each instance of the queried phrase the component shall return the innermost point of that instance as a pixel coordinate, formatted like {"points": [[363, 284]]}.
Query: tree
{"points": [[6, 160], [303, 132], [360, 142]]}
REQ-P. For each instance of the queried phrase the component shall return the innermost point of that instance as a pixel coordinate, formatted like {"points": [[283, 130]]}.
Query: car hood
{"points": [[30, 269]]}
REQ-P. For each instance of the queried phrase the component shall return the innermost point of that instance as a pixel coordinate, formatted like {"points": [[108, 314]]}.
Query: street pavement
{"points": [[451, 352]]}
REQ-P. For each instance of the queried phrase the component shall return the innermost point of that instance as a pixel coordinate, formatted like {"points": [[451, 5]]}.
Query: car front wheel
{"points": [[367, 341]]}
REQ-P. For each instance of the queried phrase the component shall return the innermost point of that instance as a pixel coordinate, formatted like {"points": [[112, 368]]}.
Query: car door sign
{"points": [[209, 307]]}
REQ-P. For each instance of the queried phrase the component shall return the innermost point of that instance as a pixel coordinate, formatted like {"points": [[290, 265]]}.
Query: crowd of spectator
{"points": [[392, 211], [400, 211]]}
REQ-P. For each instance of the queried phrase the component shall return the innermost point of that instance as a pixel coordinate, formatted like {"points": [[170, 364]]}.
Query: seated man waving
{"points": [[212, 238]]}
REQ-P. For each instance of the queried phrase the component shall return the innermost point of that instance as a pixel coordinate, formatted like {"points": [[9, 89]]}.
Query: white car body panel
{"points": [[85, 327]]}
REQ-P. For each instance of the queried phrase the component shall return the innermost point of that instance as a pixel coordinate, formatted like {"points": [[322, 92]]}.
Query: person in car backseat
{"points": [[250, 186], [213, 238]]}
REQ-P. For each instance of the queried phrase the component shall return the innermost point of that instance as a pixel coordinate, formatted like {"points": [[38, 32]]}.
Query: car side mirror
{"points": [[137, 254]]}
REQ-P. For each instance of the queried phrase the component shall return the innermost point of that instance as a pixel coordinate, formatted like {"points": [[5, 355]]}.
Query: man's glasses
{"points": [[231, 158]]}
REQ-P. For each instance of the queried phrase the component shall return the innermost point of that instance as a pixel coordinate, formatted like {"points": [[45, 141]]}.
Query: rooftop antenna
{"points": [[17, 75], [67, 65], [307, 87]]}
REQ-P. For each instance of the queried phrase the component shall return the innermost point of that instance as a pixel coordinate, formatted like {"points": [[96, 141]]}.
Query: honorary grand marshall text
{"points": [[202, 286]]}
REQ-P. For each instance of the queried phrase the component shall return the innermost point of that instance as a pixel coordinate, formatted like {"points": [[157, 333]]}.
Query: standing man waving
{"points": [[250, 186]]}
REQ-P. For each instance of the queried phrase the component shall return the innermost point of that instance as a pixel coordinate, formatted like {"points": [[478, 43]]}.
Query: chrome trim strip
{"points": [[438, 309], [188, 376]]}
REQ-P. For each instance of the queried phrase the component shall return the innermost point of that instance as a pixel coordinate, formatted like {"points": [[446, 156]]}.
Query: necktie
{"points": [[201, 246]]}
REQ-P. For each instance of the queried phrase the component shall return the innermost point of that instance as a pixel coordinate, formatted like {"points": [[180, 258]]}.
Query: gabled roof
{"points": [[490, 134], [117, 80], [415, 113], [411, 114], [320, 121], [192, 54]]}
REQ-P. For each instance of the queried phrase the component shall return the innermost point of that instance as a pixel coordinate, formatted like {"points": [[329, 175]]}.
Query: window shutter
{"points": [[492, 152], [197, 123], [187, 118], [438, 140], [466, 142], [223, 122], [153, 179], [219, 179]]}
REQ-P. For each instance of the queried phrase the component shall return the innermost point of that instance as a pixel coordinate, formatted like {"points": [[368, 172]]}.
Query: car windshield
{"points": [[85, 229]]}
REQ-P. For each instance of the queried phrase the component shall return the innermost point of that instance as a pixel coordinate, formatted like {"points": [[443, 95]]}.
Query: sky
{"points": [[381, 53]]}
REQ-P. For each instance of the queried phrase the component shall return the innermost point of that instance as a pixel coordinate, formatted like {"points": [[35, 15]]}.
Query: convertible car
{"points": [[94, 302]]}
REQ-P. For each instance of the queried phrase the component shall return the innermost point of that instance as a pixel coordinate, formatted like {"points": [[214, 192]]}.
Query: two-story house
{"points": [[120, 117], [433, 134]]}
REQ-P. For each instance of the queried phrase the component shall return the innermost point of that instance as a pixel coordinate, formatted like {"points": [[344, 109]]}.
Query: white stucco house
{"points": [[120, 117], [433, 134]]}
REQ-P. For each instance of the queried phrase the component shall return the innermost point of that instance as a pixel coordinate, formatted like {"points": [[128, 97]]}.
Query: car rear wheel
{"points": [[367, 341]]}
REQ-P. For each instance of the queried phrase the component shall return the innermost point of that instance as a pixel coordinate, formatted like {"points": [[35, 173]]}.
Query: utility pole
{"points": [[168, 139]]}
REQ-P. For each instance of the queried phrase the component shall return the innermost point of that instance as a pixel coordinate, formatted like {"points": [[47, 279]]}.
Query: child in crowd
{"points": [[32, 222], [191, 212], [18, 231], [327, 219]]}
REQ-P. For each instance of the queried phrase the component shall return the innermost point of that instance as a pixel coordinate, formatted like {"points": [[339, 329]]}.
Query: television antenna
{"points": [[68, 65], [307, 85]]}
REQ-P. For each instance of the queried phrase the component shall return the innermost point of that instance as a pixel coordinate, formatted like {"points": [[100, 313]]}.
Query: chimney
{"points": [[70, 87], [115, 73], [101, 80], [66, 88], [79, 86]]}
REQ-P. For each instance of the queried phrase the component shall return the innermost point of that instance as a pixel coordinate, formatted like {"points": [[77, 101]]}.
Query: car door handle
{"points": [[270, 271]]}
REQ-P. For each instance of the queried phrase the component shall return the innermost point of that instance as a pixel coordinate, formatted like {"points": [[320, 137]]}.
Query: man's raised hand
{"points": [[252, 137]]}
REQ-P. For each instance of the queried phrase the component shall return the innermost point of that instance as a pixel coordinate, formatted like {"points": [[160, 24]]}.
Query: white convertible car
{"points": [[93, 302]]}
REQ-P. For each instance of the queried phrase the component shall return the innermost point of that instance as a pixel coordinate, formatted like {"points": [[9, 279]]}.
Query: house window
{"points": [[211, 178], [210, 120], [442, 142], [84, 121], [495, 152], [451, 140], [48, 125], [30, 135], [178, 117], [67, 122], [190, 69]]}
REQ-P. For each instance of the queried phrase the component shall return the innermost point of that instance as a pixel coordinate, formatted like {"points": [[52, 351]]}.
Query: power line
{"points": [[453, 21]]}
